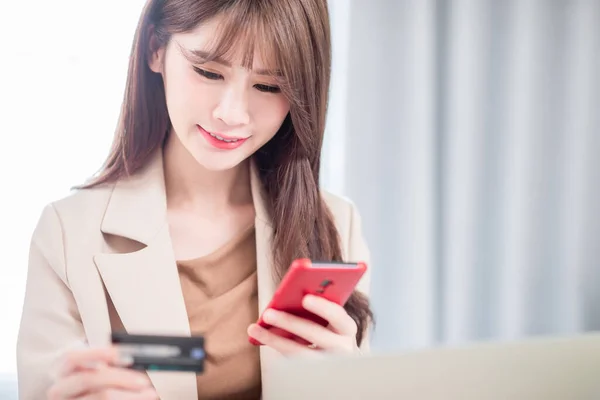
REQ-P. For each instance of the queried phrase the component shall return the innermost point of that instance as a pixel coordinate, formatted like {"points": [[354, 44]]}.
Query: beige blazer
{"points": [[103, 257]]}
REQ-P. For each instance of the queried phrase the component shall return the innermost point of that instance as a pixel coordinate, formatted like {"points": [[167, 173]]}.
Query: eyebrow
{"points": [[200, 56]]}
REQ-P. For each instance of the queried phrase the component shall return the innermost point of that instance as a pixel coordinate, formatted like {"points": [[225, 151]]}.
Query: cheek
{"points": [[177, 90], [270, 114], [188, 97]]}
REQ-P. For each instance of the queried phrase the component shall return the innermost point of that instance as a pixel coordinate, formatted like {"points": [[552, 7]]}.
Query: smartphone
{"points": [[334, 281], [162, 353]]}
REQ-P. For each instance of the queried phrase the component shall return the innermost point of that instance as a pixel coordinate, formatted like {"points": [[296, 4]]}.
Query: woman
{"points": [[209, 193]]}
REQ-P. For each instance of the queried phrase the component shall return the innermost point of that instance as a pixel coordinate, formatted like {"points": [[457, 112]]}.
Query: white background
{"points": [[62, 72]]}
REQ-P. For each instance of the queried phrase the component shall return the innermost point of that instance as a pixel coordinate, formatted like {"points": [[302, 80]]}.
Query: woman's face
{"points": [[221, 112]]}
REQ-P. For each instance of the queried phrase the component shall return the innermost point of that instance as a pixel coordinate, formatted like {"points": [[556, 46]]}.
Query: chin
{"points": [[218, 162]]}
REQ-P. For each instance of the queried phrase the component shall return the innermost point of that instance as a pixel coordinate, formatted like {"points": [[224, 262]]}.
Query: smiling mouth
{"points": [[222, 139]]}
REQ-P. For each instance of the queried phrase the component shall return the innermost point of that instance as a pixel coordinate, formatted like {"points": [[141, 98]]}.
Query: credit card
{"points": [[162, 353]]}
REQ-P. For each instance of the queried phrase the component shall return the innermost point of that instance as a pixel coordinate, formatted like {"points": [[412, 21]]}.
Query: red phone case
{"points": [[334, 281]]}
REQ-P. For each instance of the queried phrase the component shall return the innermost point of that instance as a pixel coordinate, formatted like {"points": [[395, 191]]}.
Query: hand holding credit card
{"points": [[162, 353]]}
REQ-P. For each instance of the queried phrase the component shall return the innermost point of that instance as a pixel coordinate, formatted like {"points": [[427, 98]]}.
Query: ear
{"points": [[156, 53]]}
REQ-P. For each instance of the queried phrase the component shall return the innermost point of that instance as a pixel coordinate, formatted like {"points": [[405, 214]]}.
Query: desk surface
{"points": [[556, 368]]}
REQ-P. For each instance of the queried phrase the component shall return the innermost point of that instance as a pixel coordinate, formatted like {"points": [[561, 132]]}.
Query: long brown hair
{"points": [[296, 35]]}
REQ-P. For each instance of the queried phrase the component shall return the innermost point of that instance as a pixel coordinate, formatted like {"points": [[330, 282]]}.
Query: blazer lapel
{"points": [[144, 285], [264, 270]]}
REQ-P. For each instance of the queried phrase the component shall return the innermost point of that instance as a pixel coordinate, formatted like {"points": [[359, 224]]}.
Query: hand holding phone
{"points": [[308, 306]]}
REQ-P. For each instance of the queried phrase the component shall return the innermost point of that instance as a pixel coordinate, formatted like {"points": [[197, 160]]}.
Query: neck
{"points": [[191, 186]]}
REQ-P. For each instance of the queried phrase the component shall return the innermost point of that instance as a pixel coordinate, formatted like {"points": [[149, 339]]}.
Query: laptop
{"points": [[565, 368]]}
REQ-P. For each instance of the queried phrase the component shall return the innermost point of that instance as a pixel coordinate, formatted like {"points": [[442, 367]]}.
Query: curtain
{"points": [[467, 133]]}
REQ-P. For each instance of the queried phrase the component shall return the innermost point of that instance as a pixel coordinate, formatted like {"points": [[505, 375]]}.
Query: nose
{"points": [[232, 108]]}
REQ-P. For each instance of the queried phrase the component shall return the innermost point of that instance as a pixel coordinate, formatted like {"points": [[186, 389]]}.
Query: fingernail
{"points": [[125, 360], [270, 315], [308, 300], [254, 330]]}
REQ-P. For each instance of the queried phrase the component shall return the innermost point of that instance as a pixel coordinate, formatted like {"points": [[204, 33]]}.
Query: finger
{"points": [[338, 318], [282, 345], [149, 394], [310, 331], [90, 359], [81, 383]]}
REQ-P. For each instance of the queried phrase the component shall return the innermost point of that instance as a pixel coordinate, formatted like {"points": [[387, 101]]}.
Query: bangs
{"points": [[243, 34]]}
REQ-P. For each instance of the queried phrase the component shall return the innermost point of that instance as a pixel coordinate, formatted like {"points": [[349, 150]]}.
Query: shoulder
{"points": [[63, 221], [82, 204], [343, 209], [70, 215], [352, 240], [336, 202], [348, 223]]}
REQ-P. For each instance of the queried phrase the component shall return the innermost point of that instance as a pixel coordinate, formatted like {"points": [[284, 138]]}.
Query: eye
{"points": [[207, 74], [267, 89]]}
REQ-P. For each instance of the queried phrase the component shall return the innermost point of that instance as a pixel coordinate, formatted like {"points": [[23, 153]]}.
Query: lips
{"points": [[221, 141], [224, 138]]}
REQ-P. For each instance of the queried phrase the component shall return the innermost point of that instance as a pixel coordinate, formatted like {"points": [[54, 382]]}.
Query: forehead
{"points": [[234, 46]]}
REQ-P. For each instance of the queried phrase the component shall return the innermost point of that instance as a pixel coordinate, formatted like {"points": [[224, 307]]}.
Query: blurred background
{"points": [[467, 132]]}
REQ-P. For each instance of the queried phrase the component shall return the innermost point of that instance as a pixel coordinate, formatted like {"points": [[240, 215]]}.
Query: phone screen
{"points": [[333, 264]]}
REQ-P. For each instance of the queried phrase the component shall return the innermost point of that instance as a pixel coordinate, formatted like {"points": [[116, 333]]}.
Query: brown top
{"points": [[221, 298]]}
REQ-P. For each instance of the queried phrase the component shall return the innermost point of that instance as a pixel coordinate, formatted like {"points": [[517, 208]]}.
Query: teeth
{"points": [[222, 139]]}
